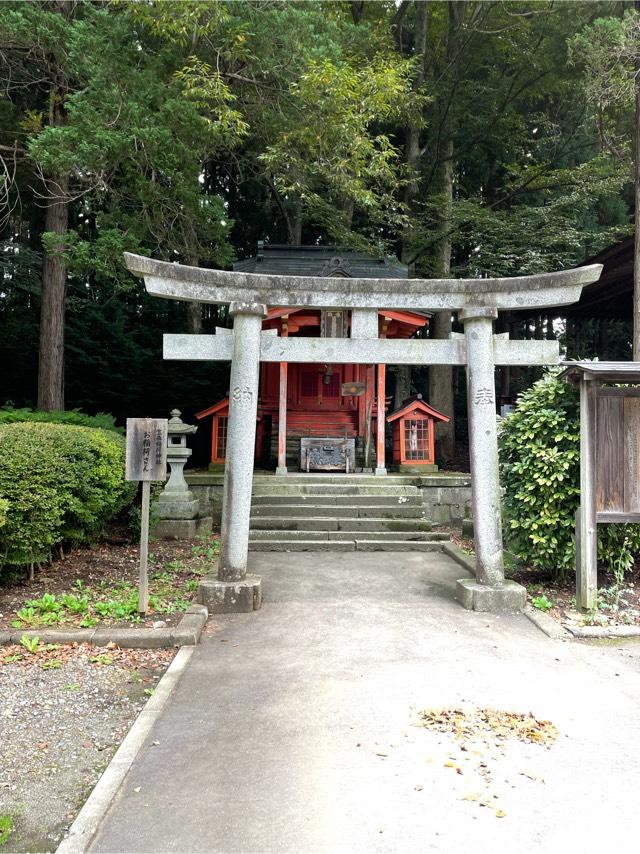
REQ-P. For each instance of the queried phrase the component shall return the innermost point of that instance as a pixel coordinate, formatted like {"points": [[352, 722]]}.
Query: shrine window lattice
{"points": [[416, 439]]}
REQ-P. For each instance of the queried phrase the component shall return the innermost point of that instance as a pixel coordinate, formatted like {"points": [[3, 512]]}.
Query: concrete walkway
{"points": [[293, 729]]}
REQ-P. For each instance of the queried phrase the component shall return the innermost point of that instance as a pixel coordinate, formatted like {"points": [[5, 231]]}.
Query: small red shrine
{"points": [[333, 401], [413, 429]]}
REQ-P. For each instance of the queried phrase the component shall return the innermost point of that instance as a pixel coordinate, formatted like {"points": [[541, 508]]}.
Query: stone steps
{"points": [[343, 545], [287, 534], [338, 500], [357, 511], [336, 523], [323, 490], [329, 513]]}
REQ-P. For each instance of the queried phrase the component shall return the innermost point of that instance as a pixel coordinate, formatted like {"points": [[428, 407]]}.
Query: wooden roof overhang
{"points": [[417, 406], [403, 324], [604, 372]]}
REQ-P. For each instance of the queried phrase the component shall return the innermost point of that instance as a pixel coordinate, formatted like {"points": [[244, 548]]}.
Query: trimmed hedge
{"points": [[540, 473], [62, 484], [9, 415]]}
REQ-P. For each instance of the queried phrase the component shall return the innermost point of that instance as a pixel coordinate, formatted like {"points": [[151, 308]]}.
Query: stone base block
{"points": [[474, 596], [380, 471], [467, 529], [281, 471], [176, 507], [217, 468], [183, 529], [231, 597], [407, 468]]}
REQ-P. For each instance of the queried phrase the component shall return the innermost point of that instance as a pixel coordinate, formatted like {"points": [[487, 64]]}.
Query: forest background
{"points": [[468, 138]]}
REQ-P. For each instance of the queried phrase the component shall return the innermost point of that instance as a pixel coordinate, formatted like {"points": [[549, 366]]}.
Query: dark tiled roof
{"points": [[321, 261]]}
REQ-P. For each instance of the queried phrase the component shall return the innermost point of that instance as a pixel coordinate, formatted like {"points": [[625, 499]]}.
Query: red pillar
{"points": [[380, 467], [282, 410]]}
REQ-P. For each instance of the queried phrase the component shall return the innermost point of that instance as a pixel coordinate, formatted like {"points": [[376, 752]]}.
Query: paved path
{"points": [[292, 729]]}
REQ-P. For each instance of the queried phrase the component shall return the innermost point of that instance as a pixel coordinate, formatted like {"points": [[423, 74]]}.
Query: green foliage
{"points": [[63, 484], [6, 828], [30, 644], [542, 603], [104, 421], [540, 473]]}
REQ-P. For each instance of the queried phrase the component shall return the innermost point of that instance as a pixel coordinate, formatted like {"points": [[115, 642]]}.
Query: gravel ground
{"points": [[60, 724]]}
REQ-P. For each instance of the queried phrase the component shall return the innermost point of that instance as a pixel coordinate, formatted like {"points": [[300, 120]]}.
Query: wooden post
{"points": [[380, 467], [143, 587], [586, 527]]}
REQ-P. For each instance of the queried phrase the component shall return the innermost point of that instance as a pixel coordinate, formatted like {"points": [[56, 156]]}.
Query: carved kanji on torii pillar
{"points": [[477, 302]]}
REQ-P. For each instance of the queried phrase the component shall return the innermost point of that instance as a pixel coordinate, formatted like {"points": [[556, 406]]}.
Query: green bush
{"points": [[63, 483], [540, 473], [9, 415]]}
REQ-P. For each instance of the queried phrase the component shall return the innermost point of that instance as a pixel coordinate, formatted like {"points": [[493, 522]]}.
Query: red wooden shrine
{"points": [[413, 433], [308, 400]]}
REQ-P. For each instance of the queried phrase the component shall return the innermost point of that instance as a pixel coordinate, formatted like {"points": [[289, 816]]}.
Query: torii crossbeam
{"points": [[477, 302]]}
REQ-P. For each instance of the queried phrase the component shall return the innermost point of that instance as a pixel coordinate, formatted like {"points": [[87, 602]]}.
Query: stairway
{"points": [[328, 512]]}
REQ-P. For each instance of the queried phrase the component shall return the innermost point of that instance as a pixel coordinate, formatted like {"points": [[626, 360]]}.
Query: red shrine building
{"points": [[323, 417]]}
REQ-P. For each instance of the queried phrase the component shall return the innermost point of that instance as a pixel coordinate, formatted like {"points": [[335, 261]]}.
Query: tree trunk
{"points": [[403, 385], [194, 309], [52, 309], [413, 132], [194, 317], [636, 243], [441, 376]]}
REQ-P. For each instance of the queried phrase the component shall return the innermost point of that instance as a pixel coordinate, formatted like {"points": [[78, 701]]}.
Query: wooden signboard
{"points": [[609, 460], [146, 460], [354, 389], [617, 454]]}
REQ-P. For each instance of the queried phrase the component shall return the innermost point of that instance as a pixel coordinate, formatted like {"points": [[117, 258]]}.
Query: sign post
{"points": [[146, 460]]}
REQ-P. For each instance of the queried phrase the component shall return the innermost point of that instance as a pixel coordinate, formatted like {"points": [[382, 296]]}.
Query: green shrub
{"points": [[9, 415], [63, 483], [540, 473]]}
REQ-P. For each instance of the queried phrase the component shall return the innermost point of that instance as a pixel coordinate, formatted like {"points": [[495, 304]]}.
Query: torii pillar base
{"points": [[495, 598], [231, 597]]}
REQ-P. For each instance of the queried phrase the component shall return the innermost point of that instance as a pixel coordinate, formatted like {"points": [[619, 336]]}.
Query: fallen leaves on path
{"points": [[489, 724]]}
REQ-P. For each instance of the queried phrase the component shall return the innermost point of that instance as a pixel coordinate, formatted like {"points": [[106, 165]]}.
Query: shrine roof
{"points": [[609, 372], [417, 405], [321, 261]]}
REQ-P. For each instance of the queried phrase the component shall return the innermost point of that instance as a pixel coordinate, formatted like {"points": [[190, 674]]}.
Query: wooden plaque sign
{"points": [[617, 453], [354, 389], [146, 457]]}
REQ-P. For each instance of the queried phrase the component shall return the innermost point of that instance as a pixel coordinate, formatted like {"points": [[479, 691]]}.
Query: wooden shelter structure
{"points": [[413, 430], [609, 459]]}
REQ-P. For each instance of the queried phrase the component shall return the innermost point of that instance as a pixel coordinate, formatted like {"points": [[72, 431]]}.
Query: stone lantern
{"points": [[178, 510]]}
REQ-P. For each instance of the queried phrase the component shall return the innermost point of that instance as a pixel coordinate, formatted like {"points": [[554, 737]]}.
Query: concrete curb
{"points": [[84, 827], [460, 557], [186, 633], [547, 624], [585, 632]]}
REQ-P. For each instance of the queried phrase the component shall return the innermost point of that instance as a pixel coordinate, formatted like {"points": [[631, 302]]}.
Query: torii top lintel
{"points": [[197, 284]]}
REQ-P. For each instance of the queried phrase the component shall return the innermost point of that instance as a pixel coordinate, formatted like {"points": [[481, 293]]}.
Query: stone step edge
{"points": [[432, 536], [186, 633], [347, 545]]}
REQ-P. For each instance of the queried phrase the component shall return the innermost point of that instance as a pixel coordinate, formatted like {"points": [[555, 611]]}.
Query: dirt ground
{"points": [[63, 713], [107, 575]]}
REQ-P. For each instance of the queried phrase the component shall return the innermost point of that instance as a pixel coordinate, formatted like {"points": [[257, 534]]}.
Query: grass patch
{"points": [[6, 828]]}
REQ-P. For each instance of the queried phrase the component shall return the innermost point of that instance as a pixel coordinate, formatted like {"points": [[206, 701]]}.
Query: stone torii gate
{"points": [[477, 302]]}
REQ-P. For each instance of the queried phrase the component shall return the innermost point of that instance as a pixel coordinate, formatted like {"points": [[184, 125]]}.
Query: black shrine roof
{"points": [[611, 297], [320, 261]]}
